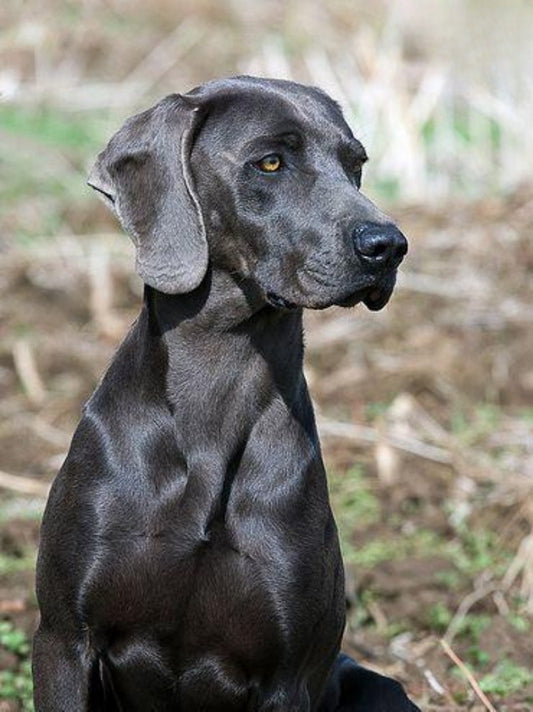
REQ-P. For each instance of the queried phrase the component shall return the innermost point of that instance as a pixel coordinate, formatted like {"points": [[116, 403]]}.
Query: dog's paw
{"points": [[353, 688]]}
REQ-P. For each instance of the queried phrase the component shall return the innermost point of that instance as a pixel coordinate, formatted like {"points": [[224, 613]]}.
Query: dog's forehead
{"points": [[241, 108]]}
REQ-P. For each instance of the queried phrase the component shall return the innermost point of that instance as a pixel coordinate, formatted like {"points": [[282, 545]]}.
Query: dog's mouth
{"points": [[279, 302], [374, 297]]}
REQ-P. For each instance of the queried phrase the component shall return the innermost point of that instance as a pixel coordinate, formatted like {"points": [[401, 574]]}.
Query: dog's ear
{"points": [[144, 176]]}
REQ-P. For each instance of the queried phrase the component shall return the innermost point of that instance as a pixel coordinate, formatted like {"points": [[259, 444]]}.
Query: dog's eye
{"points": [[270, 163]]}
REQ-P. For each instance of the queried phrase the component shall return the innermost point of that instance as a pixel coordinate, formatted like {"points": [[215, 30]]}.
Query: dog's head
{"points": [[260, 178]]}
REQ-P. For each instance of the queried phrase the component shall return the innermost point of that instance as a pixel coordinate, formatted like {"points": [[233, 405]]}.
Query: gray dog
{"points": [[189, 558]]}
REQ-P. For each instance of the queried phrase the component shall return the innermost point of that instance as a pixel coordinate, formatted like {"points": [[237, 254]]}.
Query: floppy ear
{"points": [[144, 176]]}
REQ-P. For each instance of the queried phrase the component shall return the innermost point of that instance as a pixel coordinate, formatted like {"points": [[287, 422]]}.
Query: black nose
{"points": [[380, 245]]}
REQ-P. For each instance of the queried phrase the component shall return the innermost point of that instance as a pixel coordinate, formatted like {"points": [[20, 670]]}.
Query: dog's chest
{"points": [[181, 600], [219, 548]]}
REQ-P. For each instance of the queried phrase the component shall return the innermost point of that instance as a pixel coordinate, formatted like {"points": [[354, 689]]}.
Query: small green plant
{"points": [[506, 679], [371, 554], [439, 617], [376, 409], [449, 579], [13, 564], [16, 684], [472, 428], [477, 656], [420, 543], [519, 623], [476, 550], [354, 503], [13, 639], [473, 624]]}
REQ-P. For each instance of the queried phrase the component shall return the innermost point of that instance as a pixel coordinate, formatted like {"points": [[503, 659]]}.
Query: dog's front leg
{"points": [[63, 675]]}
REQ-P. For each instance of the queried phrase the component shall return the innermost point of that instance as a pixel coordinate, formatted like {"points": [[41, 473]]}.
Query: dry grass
{"points": [[441, 98]]}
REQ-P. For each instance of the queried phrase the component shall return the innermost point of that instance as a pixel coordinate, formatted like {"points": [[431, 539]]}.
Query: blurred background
{"points": [[425, 409]]}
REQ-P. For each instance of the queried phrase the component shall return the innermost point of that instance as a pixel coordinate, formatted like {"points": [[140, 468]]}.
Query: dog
{"points": [[189, 559]]}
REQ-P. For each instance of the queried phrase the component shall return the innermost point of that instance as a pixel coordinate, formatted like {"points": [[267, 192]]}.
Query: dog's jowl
{"points": [[189, 558]]}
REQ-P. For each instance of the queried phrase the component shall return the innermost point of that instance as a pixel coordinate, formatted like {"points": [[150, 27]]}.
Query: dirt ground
{"points": [[426, 422]]}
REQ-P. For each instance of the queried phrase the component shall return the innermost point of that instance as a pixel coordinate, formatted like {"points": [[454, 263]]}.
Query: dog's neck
{"points": [[224, 333], [213, 394]]}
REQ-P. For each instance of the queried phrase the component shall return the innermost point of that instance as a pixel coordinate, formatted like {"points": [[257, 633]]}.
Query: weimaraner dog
{"points": [[189, 559]]}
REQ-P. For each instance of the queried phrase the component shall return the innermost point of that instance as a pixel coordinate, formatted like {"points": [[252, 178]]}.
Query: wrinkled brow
{"points": [[292, 139]]}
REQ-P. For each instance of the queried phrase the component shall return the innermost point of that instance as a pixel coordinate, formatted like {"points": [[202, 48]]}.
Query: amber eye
{"points": [[270, 163]]}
